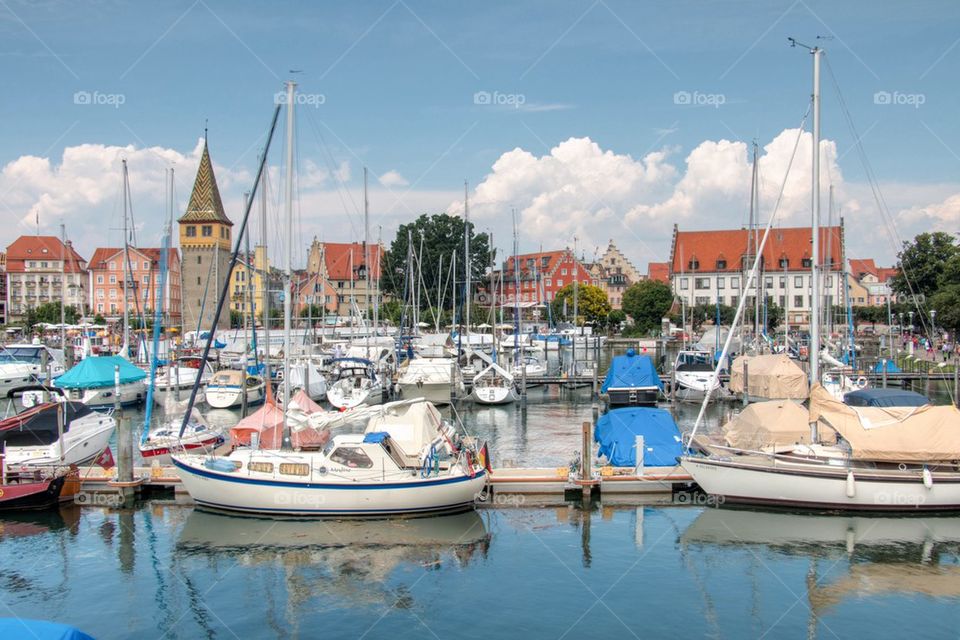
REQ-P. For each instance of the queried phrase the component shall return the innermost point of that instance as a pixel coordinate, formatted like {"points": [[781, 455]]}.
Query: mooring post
{"points": [[884, 372], [176, 372], [746, 384], [586, 474], [116, 389], [125, 459]]}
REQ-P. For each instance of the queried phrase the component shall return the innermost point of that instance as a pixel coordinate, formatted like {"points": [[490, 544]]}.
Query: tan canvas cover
{"points": [[762, 424], [411, 426], [908, 434], [774, 377]]}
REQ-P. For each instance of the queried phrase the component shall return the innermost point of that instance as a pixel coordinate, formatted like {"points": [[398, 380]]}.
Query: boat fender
{"points": [[927, 478], [851, 485], [862, 382]]}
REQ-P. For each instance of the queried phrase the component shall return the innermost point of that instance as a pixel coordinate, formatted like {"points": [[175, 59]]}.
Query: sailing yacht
{"points": [[494, 385], [434, 379], [179, 377], [355, 382], [227, 388]]}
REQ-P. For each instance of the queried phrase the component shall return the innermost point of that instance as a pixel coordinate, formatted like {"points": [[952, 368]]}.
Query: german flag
{"points": [[484, 458]]}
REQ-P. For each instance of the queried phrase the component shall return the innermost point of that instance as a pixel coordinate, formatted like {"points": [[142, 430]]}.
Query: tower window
{"points": [[206, 230], [191, 233], [198, 280], [199, 259]]}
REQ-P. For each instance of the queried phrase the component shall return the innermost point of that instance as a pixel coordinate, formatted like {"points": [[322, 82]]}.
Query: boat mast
{"points": [[288, 258], [815, 262], [466, 257], [126, 265], [63, 296], [265, 281], [754, 239], [366, 249]]}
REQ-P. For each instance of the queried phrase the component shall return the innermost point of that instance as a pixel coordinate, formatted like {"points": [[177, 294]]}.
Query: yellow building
{"points": [[242, 289]]}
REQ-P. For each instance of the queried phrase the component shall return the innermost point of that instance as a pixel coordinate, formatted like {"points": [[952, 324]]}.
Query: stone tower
{"points": [[205, 236]]}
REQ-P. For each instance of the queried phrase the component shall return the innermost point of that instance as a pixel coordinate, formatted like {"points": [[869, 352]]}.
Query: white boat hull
{"points": [[227, 396], [80, 445], [239, 492], [355, 397], [130, 393], [822, 487], [436, 392], [494, 395]]}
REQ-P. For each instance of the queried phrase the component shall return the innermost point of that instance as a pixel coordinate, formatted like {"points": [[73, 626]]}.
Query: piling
{"points": [[45, 367], [956, 385], [746, 384], [927, 382], [125, 484], [884, 364], [586, 473], [523, 380]]}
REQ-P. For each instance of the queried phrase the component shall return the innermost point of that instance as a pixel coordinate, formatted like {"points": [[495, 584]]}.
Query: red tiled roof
{"points": [[860, 268], [659, 271], [707, 247], [103, 254], [885, 274], [41, 248], [337, 256]]}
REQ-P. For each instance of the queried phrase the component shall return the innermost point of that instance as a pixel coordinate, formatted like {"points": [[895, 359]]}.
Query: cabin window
{"points": [[721, 264], [206, 230], [294, 469], [351, 457], [191, 233], [260, 467]]}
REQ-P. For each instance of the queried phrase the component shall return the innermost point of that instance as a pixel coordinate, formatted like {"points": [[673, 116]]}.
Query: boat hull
{"points": [[633, 397], [31, 495], [437, 393], [494, 395], [227, 396], [800, 486], [241, 493]]}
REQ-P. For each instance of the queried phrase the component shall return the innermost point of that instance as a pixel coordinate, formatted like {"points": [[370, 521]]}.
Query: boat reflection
{"points": [[912, 556]]}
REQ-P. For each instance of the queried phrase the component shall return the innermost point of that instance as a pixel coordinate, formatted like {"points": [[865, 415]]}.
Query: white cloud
{"points": [[392, 179]]}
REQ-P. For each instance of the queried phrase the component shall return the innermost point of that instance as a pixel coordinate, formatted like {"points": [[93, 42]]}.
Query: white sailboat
{"points": [[355, 382], [494, 385], [434, 379], [228, 386]]}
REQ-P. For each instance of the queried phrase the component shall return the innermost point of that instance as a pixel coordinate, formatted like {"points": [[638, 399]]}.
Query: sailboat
{"points": [[899, 459], [408, 460]]}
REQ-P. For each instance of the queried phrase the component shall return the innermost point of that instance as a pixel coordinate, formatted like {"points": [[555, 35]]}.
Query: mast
{"points": [[265, 281], [366, 247], [815, 196], [126, 266], [754, 239], [246, 296], [466, 257], [63, 295], [516, 297], [288, 258]]}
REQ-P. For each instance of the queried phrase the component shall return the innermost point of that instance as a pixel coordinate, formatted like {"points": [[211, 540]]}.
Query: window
{"points": [[191, 233], [684, 283], [113, 307], [783, 282], [721, 264], [768, 282], [806, 263], [829, 281], [563, 272], [99, 308], [559, 283], [43, 265], [735, 282], [784, 263], [783, 301], [798, 281], [113, 294], [701, 283], [294, 469], [702, 300], [797, 301], [100, 294], [206, 230], [146, 279], [199, 259], [694, 264], [547, 281], [198, 280], [146, 265], [260, 467], [734, 301], [721, 282], [99, 279]]}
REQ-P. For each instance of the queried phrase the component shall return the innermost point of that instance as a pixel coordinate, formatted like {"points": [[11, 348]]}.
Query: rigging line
{"points": [[893, 235], [339, 186], [750, 280]]}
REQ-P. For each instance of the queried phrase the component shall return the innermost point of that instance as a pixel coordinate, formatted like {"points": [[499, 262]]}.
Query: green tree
{"points": [[49, 312], [314, 311], [647, 302], [702, 313], [592, 304], [99, 319], [924, 262], [433, 236], [947, 303], [615, 320]]}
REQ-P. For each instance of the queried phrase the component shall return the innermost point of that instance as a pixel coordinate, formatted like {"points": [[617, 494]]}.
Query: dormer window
{"points": [[784, 262], [721, 264], [694, 264], [806, 263]]}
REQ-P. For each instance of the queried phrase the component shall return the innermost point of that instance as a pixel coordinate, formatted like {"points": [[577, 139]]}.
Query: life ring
{"points": [[861, 382]]}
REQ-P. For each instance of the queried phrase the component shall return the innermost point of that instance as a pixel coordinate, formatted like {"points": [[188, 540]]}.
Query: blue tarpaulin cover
{"points": [[631, 370], [376, 437], [885, 398], [97, 371], [39, 629], [891, 367], [617, 430]]}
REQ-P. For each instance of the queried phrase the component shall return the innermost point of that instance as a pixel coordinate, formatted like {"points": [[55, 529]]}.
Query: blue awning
{"points": [[891, 367], [885, 398], [376, 437], [631, 371], [97, 371], [617, 430]]}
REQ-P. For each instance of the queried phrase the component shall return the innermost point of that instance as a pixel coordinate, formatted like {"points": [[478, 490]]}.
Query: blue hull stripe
{"points": [[445, 507], [203, 473]]}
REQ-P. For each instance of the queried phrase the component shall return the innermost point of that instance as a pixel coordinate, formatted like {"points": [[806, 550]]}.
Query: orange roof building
{"points": [[106, 282], [42, 269], [338, 272]]}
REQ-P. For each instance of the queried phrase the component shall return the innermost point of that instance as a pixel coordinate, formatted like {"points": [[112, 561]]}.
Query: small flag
{"points": [[484, 458], [105, 459]]}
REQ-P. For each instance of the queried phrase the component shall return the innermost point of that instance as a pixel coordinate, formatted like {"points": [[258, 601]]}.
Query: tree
{"points": [[923, 262], [647, 302], [314, 311], [947, 303], [708, 313], [99, 319], [592, 304], [615, 319], [49, 312], [434, 236]]}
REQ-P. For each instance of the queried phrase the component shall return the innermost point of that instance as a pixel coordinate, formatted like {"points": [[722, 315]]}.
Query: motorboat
{"points": [[434, 379], [228, 386], [23, 492], [58, 433], [178, 379], [14, 373], [494, 385], [407, 461], [632, 380], [530, 365], [355, 382], [693, 375], [103, 382], [164, 438], [40, 358]]}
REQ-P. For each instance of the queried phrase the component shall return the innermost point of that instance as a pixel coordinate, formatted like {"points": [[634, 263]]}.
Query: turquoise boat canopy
{"points": [[631, 371], [617, 432], [97, 371]]}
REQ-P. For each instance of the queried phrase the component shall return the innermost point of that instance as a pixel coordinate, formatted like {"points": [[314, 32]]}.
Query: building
{"points": [[314, 290], [659, 271], [707, 267], [106, 282], [3, 287], [870, 285], [243, 296], [338, 271], [615, 273], [205, 236], [42, 269], [541, 276]]}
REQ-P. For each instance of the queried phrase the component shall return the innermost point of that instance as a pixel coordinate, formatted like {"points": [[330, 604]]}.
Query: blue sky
{"points": [[398, 83]]}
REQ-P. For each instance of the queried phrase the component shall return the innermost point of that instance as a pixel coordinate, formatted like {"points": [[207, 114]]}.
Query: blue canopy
{"points": [[617, 431], [97, 371], [891, 367], [39, 629], [630, 371], [885, 398], [376, 437]]}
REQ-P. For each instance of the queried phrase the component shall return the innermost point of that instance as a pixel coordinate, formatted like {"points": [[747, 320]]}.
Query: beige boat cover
{"points": [[775, 377], [906, 434], [762, 424]]}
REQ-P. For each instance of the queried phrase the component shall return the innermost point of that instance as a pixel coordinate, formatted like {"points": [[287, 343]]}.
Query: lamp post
{"points": [[933, 328], [911, 323]]}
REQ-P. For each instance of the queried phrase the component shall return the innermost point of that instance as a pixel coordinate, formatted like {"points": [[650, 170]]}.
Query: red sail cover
{"points": [[267, 421]]}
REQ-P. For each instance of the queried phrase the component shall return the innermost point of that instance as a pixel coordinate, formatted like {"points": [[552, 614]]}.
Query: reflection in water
{"points": [[910, 556]]}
